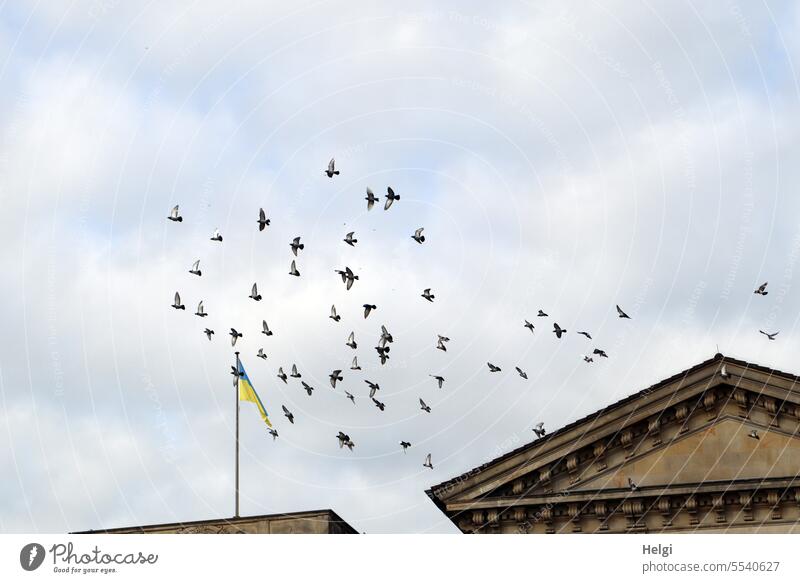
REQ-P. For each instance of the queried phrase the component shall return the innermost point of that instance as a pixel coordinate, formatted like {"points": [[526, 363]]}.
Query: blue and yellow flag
{"points": [[248, 393]]}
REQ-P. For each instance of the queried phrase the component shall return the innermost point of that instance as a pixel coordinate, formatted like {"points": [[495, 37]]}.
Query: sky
{"points": [[564, 156]]}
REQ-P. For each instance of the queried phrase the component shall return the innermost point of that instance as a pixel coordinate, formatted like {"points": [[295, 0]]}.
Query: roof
{"points": [[332, 518], [718, 357]]}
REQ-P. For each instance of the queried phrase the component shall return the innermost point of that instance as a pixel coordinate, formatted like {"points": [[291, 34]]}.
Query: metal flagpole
{"points": [[238, 369]]}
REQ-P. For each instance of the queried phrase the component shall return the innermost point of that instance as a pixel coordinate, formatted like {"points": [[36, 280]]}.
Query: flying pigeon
{"points": [[754, 434], [587, 358], [348, 277], [378, 404], [208, 332], [345, 441], [309, 389], [428, 463], [254, 295], [216, 236], [334, 316], [539, 430], [622, 314], [195, 270], [558, 330], [261, 354], [589, 336], [200, 310], [423, 406], [349, 239], [355, 366], [426, 293], [234, 336], [288, 414], [331, 171], [385, 336], [373, 388], [281, 374], [529, 326], [177, 303], [770, 336], [368, 309], [390, 198], [296, 245], [405, 445], [265, 329], [350, 396], [383, 353], [418, 236], [263, 221], [294, 374], [599, 352], [439, 379], [440, 344], [632, 485], [293, 270], [541, 314], [335, 376], [493, 368], [351, 341], [522, 373], [273, 433], [762, 289], [371, 199], [174, 214]]}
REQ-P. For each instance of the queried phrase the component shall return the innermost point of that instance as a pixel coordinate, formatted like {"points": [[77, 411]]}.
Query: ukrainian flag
{"points": [[248, 393]]}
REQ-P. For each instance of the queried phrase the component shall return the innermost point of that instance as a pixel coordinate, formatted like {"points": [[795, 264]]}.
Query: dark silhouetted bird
{"points": [[294, 374], [441, 342], [348, 277], [383, 353], [529, 326], [263, 221], [355, 366], [265, 329], [200, 310], [309, 389], [541, 314], [368, 309], [273, 433], [350, 396], [600, 353], [373, 388], [390, 198], [335, 376], [195, 270], [349, 239], [296, 245], [539, 430], [426, 293], [761, 291], [493, 368], [385, 336], [216, 236], [177, 302], [439, 379], [405, 445], [767, 334], [174, 214], [208, 332], [587, 358], [332, 171], [281, 374], [522, 373], [261, 354], [293, 269], [371, 199], [558, 330], [334, 316], [622, 314], [254, 295], [423, 406], [418, 236], [234, 336], [378, 404], [589, 336], [428, 463], [288, 414], [351, 341], [345, 441]]}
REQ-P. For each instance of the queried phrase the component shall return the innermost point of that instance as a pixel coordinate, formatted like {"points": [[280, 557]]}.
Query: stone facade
{"points": [[312, 522], [712, 449]]}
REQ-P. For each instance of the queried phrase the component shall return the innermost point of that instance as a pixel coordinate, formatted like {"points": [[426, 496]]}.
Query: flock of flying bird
{"points": [[348, 279]]}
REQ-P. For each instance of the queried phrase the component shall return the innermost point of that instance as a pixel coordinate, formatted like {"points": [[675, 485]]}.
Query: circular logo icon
{"points": [[31, 556]]}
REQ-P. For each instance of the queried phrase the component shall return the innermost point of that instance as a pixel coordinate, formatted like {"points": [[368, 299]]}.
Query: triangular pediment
{"points": [[691, 428]]}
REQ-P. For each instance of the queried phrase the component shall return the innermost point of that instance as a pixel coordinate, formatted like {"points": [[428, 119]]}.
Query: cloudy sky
{"points": [[562, 156]]}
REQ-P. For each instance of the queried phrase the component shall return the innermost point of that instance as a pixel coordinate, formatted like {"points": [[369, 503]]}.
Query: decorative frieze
{"points": [[572, 468], [709, 403], [601, 512], [746, 501], [772, 409], [626, 440], [718, 505], [741, 397], [654, 430], [574, 513], [599, 451], [691, 508], [774, 500], [682, 416], [665, 508]]}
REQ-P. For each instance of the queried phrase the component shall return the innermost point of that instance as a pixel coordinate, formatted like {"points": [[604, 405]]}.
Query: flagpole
{"points": [[238, 369]]}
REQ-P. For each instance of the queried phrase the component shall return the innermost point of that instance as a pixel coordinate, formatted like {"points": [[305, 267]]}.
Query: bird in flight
{"points": [[349, 239], [423, 406], [426, 293], [371, 199], [350, 396], [723, 372], [293, 269], [587, 358], [368, 309], [294, 374], [390, 198], [522, 373], [177, 302], [373, 388], [331, 171], [770, 336], [348, 277], [428, 463], [335, 376], [263, 221], [351, 341], [261, 354], [385, 336], [439, 379], [493, 368], [281, 374], [334, 316], [529, 326], [288, 414], [441, 342], [200, 310], [754, 434], [355, 366], [383, 353], [633, 487], [589, 336], [265, 329], [308, 388], [761, 290], [622, 314], [174, 214], [234, 336], [345, 441], [296, 245], [208, 332], [216, 236], [558, 330], [541, 314], [418, 236], [273, 433], [254, 295], [378, 404], [600, 353], [405, 445], [195, 270], [539, 430]]}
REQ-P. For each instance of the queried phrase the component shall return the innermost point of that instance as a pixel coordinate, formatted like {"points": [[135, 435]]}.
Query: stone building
{"points": [[712, 449], [311, 522]]}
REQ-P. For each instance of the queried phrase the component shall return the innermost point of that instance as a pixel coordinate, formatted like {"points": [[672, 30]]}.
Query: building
{"points": [[311, 522], [712, 449]]}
